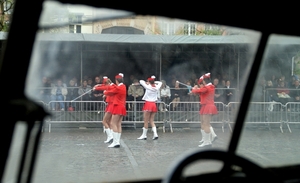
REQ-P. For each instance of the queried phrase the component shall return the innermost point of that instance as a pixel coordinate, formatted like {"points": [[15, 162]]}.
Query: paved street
{"points": [[80, 155]]}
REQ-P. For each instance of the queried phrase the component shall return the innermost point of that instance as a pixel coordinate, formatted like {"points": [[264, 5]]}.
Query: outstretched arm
{"points": [[100, 87]]}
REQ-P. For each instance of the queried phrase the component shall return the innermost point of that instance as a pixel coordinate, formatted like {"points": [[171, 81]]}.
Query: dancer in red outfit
{"points": [[108, 110], [119, 93], [207, 110]]}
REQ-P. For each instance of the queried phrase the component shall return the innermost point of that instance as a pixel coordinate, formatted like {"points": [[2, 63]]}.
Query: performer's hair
{"points": [[207, 80], [108, 81], [151, 81]]}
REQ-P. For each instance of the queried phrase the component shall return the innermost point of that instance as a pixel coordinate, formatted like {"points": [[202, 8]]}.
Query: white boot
{"points": [[109, 135], [155, 136], [144, 135], [206, 140], [116, 140], [213, 134], [202, 133]]}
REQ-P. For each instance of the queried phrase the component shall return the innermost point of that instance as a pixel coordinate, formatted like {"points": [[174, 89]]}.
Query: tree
{"points": [[6, 9]]}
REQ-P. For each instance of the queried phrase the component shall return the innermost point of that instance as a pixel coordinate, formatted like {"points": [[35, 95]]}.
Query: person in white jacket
{"points": [[164, 96], [150, 109]]}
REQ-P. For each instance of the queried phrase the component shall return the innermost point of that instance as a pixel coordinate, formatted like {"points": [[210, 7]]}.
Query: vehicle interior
{"points": [[252, 41]]}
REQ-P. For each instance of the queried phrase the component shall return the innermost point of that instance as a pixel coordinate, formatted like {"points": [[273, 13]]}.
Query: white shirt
{"points": [[165, 91], [151, 93]]}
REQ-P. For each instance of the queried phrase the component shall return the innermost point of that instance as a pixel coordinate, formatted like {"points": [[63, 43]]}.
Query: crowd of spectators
{"points": [[267, 89], [278, 90]]}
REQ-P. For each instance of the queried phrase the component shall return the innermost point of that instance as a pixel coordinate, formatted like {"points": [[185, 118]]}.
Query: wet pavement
{"points": [[80, 155]]}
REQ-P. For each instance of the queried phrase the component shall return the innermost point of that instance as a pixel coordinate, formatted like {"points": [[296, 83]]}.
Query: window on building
{"points": [[167, 28], [75, 28], [189, 29], [75, 23]]}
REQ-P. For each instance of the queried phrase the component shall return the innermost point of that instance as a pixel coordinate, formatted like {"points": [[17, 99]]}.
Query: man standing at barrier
{"points": [[97, 95], [118, 91], [108, 110], [218, 93], [135, 93], [164, 96], [207, 109], [150, 109]]}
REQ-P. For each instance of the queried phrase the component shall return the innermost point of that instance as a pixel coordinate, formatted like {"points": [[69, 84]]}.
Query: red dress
{"points": [[118, 92], [207, 102]]}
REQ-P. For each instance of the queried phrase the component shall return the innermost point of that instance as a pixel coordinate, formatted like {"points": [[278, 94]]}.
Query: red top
{"points": [[118, 92], [103, 87], [206, 93], [207, 102]]}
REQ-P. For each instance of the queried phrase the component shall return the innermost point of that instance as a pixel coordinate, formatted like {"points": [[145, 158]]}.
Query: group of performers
{"points": [[115, 97]]}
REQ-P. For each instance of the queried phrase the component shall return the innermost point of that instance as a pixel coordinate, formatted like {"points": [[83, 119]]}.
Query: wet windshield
{"points": [[271, 124], [79, 47]]}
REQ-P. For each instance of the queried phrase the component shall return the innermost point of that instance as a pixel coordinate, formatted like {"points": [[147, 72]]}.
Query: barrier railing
{"points": [[265, 113], [188, 112], [262, 113]]}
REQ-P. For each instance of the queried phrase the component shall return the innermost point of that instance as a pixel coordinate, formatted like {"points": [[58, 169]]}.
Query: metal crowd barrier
{"points": [[264, 113], [136, 115], [176, 113], [188, 112], [76, 112]]}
